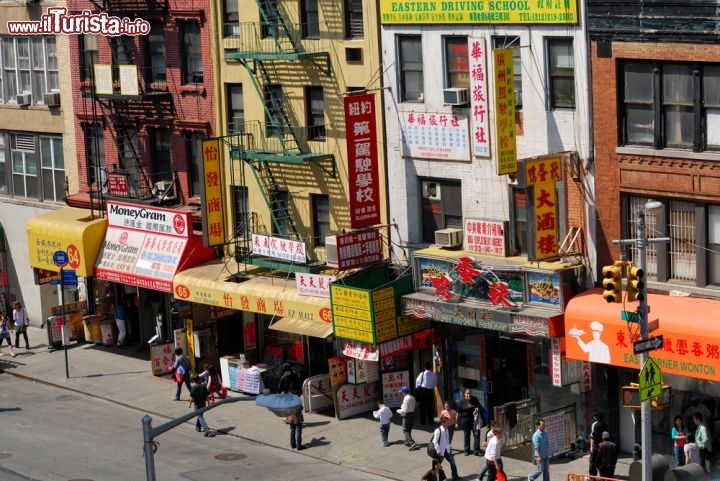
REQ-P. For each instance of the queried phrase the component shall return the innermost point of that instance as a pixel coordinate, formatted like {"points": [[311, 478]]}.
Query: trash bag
{"points": [[279, 404]]}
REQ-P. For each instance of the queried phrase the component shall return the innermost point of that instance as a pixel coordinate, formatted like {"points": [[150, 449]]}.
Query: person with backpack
{"points": [[181, 371], [441, 441]]}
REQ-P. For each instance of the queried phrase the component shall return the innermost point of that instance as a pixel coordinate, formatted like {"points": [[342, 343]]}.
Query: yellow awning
{"points": [[306, 328], [67, 229], [213, 284]]}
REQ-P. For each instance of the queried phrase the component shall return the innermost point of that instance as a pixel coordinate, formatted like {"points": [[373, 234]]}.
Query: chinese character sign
{"points": [[358, 249], [542, 175], [485, 237], [279, 248], [439, 136], [478, 97], [505, 111], [364, 181], [211, 194]]}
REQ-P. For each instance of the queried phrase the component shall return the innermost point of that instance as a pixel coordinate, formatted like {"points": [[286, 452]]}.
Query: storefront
{"points": [[79, 235], [688, 359], [143, 250]]}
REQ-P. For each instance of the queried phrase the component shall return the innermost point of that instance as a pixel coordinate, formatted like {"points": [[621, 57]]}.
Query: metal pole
{"points": [[62, 324], [643, 309]]}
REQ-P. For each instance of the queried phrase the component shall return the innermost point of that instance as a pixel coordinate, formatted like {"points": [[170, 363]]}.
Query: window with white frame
{"points": [[3, 164], [513, 42], [561, 73], [53, 168], [23, 156], [28, 65], [410, 68], [670, 105], [457, 64]]}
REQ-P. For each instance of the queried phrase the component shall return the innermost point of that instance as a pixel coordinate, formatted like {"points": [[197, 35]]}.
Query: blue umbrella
{"points": [[280, 404]]}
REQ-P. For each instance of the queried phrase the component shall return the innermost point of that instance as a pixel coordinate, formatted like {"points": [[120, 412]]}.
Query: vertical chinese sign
{"points": [[213, 219], [542, 174], [505, 111], [478, 96], [364, 182]]}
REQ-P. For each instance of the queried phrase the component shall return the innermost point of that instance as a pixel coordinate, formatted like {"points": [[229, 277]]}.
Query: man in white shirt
{"points": [[407, 411], [425, 389], [493, 457], [441, 440]]}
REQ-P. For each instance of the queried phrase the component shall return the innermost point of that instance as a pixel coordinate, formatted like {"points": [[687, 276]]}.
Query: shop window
{"points": [[410, 68], [457, 66], [561, 73], [441, 207]]}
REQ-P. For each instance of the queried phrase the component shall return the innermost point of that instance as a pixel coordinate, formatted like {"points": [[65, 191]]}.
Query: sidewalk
{"points": [[122, 376]]}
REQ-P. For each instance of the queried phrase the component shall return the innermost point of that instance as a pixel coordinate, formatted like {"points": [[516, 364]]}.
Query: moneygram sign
{"points": [[149, 219], [497, 12]]}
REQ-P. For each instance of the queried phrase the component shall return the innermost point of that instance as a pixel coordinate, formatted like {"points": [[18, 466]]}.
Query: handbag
{"points": [[223, 392], [500, 476], [431, 451]]}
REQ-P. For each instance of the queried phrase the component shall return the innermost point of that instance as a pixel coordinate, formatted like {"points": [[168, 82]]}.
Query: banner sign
{"points": [[364, 180], [542, 174], [317, 285], [213, 216], [485, 237], [149, 219], [358, 249], [505, 111], [279, 248], [439, 136], [494, 12], [478, 97]]}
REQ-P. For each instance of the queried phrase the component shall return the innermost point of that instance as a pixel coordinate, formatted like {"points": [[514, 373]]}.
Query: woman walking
{"points": [[5, 334], [20, 320]]}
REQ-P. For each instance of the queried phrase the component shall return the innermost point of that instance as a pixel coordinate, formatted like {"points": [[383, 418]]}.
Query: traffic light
{"points": [[635, 284], [612, 283]]}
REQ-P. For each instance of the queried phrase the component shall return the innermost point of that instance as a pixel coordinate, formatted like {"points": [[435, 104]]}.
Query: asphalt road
{"points": [[51, 434]]}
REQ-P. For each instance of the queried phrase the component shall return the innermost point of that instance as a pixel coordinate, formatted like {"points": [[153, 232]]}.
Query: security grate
{"points": [[681, 229]]}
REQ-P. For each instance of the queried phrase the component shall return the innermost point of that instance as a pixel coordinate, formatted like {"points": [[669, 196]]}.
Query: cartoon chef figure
{"points": [[597, 350]]}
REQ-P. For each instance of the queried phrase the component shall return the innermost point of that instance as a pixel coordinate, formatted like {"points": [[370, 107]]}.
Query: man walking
{"points": [[441, 440], [596, 429], [407, 411], [702, 440], [493, 458], [198, 396], [540, 450], [606, 457], [425, 389]]}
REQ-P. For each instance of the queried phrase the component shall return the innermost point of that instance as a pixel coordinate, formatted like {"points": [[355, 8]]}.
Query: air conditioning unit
{"points": [[449, 237], [23, 99], [430, 190], [331, 251], [456, 96], [51, 99]]}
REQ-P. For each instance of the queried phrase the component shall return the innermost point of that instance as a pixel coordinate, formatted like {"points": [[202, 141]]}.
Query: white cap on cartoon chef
{"points": [[596, 326]]}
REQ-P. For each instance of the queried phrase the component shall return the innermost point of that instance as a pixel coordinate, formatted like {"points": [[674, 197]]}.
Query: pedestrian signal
{"points": [[612, 283]]}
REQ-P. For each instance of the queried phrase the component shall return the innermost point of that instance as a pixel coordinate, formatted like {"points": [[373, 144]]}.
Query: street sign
{"points": [[653, 325], [60, 258], [69, 278], [650, 380], [629, 316], [648, 345]]}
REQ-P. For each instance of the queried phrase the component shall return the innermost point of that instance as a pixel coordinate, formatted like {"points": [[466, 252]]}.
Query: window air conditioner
{"points": [[51, 99], [456, 96], [430, 190], [449, 237], [331, 251], [23, 99]]}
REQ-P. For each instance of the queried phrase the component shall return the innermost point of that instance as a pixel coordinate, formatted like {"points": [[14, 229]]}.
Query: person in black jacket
{"points": [[289, 381], [465, 419], [596, 429]]}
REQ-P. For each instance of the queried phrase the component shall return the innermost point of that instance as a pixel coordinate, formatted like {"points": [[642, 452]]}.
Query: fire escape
{"points": [[272, 145], [139, 95]]}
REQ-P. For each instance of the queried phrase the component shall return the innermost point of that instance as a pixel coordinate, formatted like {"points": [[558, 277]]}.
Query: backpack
{"points": [[431, 451]]}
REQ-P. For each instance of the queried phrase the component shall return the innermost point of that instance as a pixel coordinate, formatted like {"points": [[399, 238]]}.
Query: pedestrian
{"points": [[596, 429], [465, 419], [121, 322], [211, 378], [181, 371], [425, 389], [493, 457], [441, 440], [407, 411], [5, 334], [198, 396], [435, 473], [384, 415], [703, 440], [541, 452], [295, 420], [20, 319], [679, 436], [692, 452], [489, 435], [289, 381], [606, 457], [453, 415]]}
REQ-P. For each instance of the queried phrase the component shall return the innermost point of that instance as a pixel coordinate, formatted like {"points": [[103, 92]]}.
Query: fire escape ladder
{"points": [[276, 199]]}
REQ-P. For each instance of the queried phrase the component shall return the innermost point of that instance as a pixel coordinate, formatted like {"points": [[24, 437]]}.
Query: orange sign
{"points": [[211, 195], [542, 175]]}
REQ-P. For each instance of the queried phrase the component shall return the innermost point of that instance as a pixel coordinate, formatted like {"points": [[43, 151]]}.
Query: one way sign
{"points": [[648, 345]]}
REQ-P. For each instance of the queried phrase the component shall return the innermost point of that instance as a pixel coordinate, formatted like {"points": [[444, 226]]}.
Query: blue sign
{"points": [[69, 278], [60, 258]]}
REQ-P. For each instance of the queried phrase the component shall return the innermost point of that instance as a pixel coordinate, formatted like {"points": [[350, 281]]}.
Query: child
{"points": [[692, 453], [211, 378], [453, 415], [436, 472], [5, 334], [384, 414]]}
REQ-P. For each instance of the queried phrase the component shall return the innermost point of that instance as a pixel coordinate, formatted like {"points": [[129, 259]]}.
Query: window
{"points": [[156, 53], [195, 159], [129, 156], [410, 61], [240, 213], [457, 66], [236, 108], [280, 213], [315, 109], [441, 210], [121, 48], [321, 218], [192, 68], [269, 18], [714, 244], [53, 168], [28, 65], [513, 43], [160, 144], [95, 154], [519, 229], [24, 165], [231, 18], [561, 73], [275, 114], [354, 19], [3, 164], [88, 55], [671, 105], [310, 18]]}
